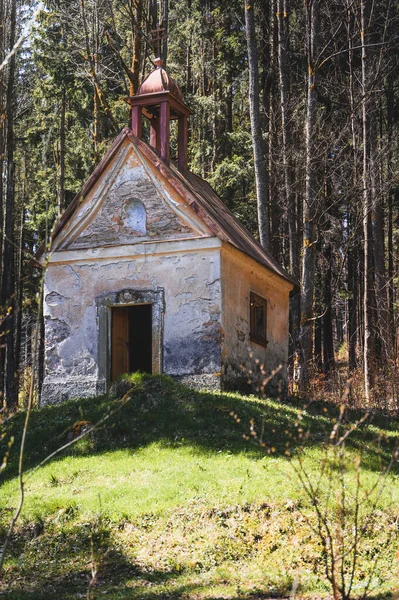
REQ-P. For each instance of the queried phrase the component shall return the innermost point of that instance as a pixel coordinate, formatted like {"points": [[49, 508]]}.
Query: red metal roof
{"points": [[159, 81]]}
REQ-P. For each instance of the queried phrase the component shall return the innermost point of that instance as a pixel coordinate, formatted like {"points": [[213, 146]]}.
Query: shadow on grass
{"points": [[161, 410], [117, 576], [182, 592], [120, 579]]}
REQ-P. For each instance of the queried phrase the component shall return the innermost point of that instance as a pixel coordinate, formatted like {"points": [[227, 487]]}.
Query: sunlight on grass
{"points": [[155, 478], [169, 500]]}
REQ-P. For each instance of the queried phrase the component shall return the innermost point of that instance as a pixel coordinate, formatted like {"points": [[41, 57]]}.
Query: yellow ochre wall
{"points": [[241, 275]]}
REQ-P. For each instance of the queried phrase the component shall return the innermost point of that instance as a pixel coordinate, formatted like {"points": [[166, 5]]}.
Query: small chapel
{"points": [[149, 271]]}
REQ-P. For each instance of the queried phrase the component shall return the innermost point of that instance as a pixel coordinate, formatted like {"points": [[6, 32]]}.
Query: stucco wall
{"points": [[240, 276], [114, 225], [106, 216], [189, 273]]}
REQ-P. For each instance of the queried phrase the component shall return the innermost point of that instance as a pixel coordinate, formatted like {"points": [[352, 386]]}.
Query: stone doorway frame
{"points": [[125, 298]]}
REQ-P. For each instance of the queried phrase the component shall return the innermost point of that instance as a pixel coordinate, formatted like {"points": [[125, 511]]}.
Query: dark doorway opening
{"points": [[131, 339], [140, 338]]}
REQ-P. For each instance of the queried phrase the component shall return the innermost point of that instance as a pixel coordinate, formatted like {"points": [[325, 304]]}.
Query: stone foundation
{"points": [[235, 379], [56, 391], [202, 381]]}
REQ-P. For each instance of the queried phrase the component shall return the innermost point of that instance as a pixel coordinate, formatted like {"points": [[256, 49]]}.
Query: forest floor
{"points": [[192, 495]]}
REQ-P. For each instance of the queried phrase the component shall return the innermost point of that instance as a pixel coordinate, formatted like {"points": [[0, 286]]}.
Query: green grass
{"points": [[173, 498]]}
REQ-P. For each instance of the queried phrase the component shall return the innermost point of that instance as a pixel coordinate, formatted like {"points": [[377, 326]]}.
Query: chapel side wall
{"points": [[191, 322], [242, 275]]}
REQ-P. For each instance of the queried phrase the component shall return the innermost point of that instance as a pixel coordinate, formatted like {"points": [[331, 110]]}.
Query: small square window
{"points": [[258, 319]]}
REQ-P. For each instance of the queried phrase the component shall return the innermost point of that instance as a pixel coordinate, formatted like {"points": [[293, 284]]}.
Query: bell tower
{"points": [[160, 100]]}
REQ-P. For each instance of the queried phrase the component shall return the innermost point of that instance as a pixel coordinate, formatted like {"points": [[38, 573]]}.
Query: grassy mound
{"points": [[182, 494]]}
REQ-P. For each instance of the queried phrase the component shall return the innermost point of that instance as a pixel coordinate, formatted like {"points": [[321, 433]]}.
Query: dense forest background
{"points": [[295, 124]]}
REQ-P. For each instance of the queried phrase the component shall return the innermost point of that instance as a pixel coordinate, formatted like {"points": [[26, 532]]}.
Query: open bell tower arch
{"points": [[160, 100]]}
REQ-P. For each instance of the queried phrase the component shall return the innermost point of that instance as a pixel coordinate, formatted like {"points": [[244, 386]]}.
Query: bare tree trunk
{"points": [[137, 24], [272, 107], [2, 137], [390, 123], [283, 68], [378, 245], [153, 24], [214, 124], [267, 81], [20, 287], [27, 358], [165, 25], [11, 398], [99, 100], [309, 209], [257, 141], [328, 339], [189, 67], [318, 308], [353, 300], [41, 353], [229, 103], [367, 358], [351, 221], [318, 360], [96, 127], [61, 183]]}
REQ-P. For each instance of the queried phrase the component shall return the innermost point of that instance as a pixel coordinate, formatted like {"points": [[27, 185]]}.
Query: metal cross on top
{"points": [[158, 36]]}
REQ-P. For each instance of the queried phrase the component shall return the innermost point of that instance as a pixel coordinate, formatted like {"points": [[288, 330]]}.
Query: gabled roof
{"points": [[196, 192]]}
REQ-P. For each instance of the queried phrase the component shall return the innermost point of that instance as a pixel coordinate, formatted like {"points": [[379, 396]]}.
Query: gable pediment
{"points": [[130, 203], [134, 197]]}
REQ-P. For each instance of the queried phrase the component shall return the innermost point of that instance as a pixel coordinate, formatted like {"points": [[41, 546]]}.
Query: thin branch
{"points": [[347, 50]]}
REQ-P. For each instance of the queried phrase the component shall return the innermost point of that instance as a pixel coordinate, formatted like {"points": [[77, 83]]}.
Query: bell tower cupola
{"points": [[160, 100]]}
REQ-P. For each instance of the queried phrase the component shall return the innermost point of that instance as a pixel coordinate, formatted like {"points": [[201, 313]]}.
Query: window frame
{"points": [[256, 301]]}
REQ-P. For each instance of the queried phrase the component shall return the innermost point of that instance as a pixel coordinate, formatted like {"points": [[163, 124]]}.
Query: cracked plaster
{"points": [[191, 320], [102, 251]]}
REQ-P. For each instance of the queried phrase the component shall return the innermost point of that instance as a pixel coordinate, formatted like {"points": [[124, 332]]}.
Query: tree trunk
{"points": [[257, 141], [2, 295], [20, 287], [61, 184], [328, 338], [367, 324], [189, 67], [137, 24], [165, 25], [96, 127], [309, 209], [318, 343], [41, 355], [390, 100], [27, 359], [319, 308], [353, 301], [92, 57], [11, 398], [378, 244], [352, 271], [289, 198], [272, 108]]}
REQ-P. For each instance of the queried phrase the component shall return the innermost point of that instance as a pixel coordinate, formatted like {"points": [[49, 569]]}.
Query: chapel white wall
{"points": [[189, 273]]}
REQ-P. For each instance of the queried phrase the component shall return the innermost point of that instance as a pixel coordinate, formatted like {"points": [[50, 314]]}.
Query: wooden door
{"points": [[120, 342]]}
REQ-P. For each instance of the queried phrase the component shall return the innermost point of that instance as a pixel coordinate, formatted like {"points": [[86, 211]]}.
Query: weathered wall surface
{"points": [[130, 203], [132, 237], [240, 276], [189, 273]]}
